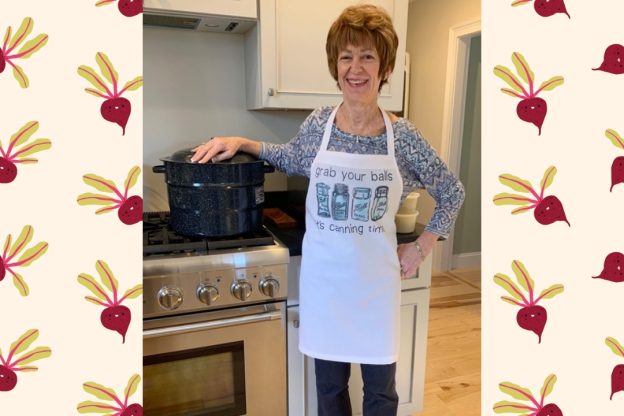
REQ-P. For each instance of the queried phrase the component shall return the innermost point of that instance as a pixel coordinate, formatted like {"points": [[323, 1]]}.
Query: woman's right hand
{"points": [[221, 148]]}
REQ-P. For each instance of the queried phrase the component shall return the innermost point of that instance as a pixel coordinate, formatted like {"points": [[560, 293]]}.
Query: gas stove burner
{"points": [[159, 239]]}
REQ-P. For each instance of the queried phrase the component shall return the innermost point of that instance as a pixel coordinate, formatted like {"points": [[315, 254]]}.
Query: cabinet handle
{"points": [[296, 323], [271, 92]]}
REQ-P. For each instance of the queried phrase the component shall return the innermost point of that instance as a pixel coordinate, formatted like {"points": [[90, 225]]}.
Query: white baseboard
{"points": [[466, 260]]}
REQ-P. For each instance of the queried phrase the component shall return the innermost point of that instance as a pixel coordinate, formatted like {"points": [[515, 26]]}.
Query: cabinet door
{"points": [[238, 8], [286, 60]]}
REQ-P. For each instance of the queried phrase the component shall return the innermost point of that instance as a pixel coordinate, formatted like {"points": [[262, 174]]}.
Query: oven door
{"points": [[219, 363]]}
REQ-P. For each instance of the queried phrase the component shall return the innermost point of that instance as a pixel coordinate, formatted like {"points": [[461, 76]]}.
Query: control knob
{"points": [[269, 287], [241, 289], [170, 298], [207, 294]]}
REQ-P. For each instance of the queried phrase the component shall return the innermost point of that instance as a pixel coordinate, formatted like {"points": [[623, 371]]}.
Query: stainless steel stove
{"points": [[215, 319]]}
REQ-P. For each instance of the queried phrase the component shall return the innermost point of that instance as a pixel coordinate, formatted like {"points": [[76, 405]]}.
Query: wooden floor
{"points": [[453, 373]]}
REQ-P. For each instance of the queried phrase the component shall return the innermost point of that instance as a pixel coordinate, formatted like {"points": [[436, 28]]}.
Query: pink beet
{"points": [[547, 8], [2, 269], [2, 61], [116, 110], [532, 318], [8, 379], [550, 409], [8, 170], [532, 110], [550, 210], [133, 410], [130, 8], [617, 379], [613, 61], [613, 269], [116, 318], [617, 171], [131, 211]]}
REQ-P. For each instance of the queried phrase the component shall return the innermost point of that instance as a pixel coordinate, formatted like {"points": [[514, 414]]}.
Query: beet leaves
{"points": [[111, 403], [547, 210], [20, 151], [129, 208], [617, 374], [531, 108], [115, 316], [115, 108], [15, 254], [527, 403], [20, 358], [8, 53], [531, 316]]}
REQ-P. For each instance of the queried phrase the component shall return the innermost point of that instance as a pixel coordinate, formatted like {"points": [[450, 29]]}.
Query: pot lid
{"points": [[184, 156]]}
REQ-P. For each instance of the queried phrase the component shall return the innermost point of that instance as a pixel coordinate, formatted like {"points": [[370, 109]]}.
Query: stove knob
{"points": [[269, 287], [241, 289], [207, 294], [170, 298]]}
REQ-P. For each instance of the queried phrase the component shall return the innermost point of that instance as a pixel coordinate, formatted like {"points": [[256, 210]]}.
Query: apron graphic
{"points": [[350, 275]]}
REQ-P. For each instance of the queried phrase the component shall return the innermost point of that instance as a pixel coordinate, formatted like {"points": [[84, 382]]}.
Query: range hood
{"points": [[204, 16]]}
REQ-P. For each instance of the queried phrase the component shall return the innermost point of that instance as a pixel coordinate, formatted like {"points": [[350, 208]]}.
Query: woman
{"points": [[361, 161]]}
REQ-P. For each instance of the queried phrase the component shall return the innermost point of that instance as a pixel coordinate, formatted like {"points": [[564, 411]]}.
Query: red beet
{"points": [[2, 269], [549, 210], [547, 8], [617, 379], [617, 171], [131, 211], [613, 269], [116, 110], [532, 318], [613, 61], [2, 61], [130, 8], [133, 410], [116, 318], [532, 110], [8, 379], [550, 409], [8, 171]]}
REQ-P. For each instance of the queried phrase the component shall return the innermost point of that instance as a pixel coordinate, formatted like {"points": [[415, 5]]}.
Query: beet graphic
{"points": [[2, 269], [613, 269], [18, 254], [547, 210], [613, 61], [531, 316], [115, 316], [8, 379], [531, 108], [2, 61], [116, 110], [12, 49], [131, 211], [617, 379], [617, 171], [547, 8], [550, 210], [8, 171], [133, 410], [550, 409], [130, 8]]}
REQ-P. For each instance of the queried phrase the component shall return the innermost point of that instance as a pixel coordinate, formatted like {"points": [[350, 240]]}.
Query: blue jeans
{"points": [[332, 390]]}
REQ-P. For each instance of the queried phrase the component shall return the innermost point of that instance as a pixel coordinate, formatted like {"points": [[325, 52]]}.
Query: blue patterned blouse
{"points": [[418, 163]]}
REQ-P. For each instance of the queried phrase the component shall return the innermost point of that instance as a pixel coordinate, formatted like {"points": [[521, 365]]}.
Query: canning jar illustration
{"points": [[360, 204], [322, 198], [340, 202], [380, 203]]}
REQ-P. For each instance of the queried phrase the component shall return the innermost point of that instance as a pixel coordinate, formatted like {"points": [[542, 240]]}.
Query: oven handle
{"points": [[220, 323]]}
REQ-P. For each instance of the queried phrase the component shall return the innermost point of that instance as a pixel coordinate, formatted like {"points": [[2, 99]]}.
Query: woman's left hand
{"points": [[410, 258]]}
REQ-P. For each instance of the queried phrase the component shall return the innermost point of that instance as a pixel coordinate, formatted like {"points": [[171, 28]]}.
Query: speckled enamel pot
{"points": [[214, 199]]}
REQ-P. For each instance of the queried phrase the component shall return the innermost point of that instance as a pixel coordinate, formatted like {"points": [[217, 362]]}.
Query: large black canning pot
{"points": [[214, 199]]}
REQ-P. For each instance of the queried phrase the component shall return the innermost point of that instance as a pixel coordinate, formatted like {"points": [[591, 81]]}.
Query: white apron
{"points": [[350, 283]]}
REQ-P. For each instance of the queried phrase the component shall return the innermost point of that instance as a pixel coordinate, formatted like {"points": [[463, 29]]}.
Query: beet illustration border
{"points": [[118, 407], [7, 54], [12, 249], [14, 154], [14, 362], [535, 407], [128, 8], [545, 8], [617, 374]]}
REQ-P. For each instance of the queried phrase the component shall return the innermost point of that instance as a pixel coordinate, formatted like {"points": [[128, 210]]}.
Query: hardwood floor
{"points": [[453, 372]]}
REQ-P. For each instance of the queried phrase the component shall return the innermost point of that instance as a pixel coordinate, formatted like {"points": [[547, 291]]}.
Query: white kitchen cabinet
{"points": [[239, 8], [286, 64]]}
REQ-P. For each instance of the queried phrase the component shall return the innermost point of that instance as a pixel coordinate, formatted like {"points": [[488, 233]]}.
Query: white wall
{"points": [[194, 89], [428, 26]]}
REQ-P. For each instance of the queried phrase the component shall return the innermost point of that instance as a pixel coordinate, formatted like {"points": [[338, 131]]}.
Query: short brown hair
{"points": [[363, 25]]}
